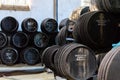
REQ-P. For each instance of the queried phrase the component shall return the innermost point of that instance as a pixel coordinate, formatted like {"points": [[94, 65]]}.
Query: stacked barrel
{"points": [[65, 32], [50, 27], [109, 68], [68, 59], [9, 54], [92, 36], [24, 46]]}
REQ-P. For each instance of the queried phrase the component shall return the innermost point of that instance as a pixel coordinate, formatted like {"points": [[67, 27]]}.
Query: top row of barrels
{"points": [[29, 25]]}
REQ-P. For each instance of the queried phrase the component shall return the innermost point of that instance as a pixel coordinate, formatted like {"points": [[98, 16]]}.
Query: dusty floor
{"points": [[25, 72], [41, 76]]}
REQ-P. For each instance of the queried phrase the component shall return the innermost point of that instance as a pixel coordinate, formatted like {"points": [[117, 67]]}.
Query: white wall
{"points": [[65, 8], [41, 9]]}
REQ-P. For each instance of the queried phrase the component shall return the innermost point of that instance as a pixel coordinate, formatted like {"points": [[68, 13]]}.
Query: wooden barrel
{"points": [[9, 24], [29, 25], [20, 39], [52, 38], [71, 61], [48, 56], [63, 23], [95, 29], [3, 40], [41, 40], [75, 62], [109, 69], [49, 25], [61, 37], [112, 6], [30, 56], [84, 10], [116, 23], [9, 55], [65, 34]]}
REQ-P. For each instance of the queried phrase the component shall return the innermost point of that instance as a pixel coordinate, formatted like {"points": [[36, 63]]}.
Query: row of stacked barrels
{"points": [[68, 59], [75, 57], [25, 46]]}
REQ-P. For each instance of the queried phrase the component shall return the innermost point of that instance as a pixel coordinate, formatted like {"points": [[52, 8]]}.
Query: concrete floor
{"points": [[40, 76], [26, 72]]}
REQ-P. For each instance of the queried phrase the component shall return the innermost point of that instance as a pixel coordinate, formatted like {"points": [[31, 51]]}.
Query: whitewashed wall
{"points": [[41, 9], [65, 8]]}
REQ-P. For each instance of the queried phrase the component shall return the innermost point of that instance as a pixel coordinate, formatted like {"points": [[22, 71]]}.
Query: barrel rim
{"points": [[10, 31], [24, 52], [17, 33], [2, 53], [24, 22], [47, 40], [42, 26]]}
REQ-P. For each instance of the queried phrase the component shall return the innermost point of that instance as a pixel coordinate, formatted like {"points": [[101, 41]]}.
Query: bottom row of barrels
{"points": [[78, 62], [72, 61], [10, 56]]}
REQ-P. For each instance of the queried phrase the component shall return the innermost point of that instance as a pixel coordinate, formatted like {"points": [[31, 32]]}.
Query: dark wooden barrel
{"points": [[49, 25], [48, 56], [75, 62], [61, 37], [71, 61], [20, 39], [84, 10], [9, 55], [29, 25], [65, 34], [52, 38], [95, 29], [109, 69], [30, 56], [116, 23], [3, 40], [63, 23], [9, 24], [112, 6], [41, 40]]}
